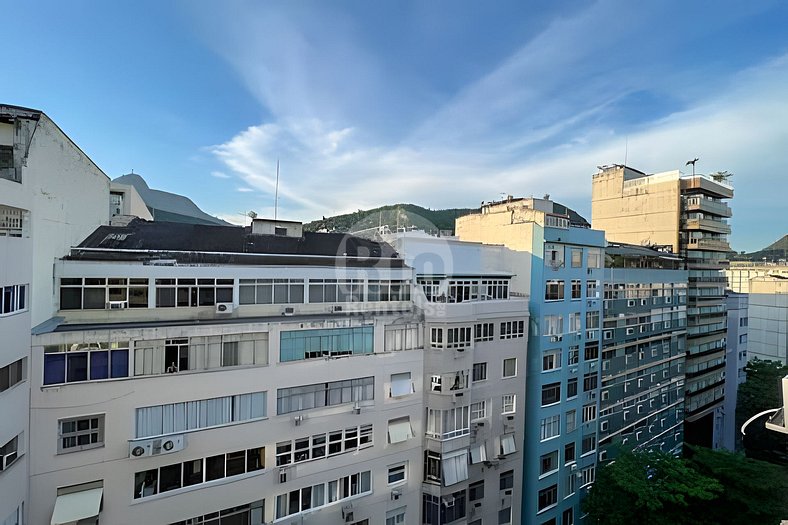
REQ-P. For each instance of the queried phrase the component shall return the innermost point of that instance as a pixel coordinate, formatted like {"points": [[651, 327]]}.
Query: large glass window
{"points": [[271, 291], [100, 293], [312, 344], [80, 433], [85, 362], [13, 299], [318, 395], [336, 290]]}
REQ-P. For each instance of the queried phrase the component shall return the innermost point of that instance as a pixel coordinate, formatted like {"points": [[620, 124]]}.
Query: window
{"points": [[553, 325], [13, 299], [432, 466], [510, 367], [577, 257], [295, 399], [478, 410], [551, 393], [550, 427], [399, 430], [547, 498], [588, 444], [479, 453], [548, 463], [506, 480], [315, 496], [571, 420], [594, 258], [268, 291], [403, 337], [591, 352], [505, 516], [554, 256], [396, 516], [448, 424], [568, 517], [592, 319], [592, 289], [80, 433], [461, 291], [100, 293], [508, 445], [512, 329], [551, 359], [194, 472], [249, 513], [454, 467], [398, 290], [323, 445], [336, 290], [479, 371], [569, 453], [398, 473], [458, 337], [587, 475], [159, 356], [431, 509], [317, 344], [195, 415], [401, 385], [483, 332], [13, 374], [436, 337], [10, 452], [571, 388], [495, 289], [577, 288], [589, 382], [589, 413], [574, 354], [554, 290], [476, 491], [509, 402], [743, 338], [85, 362]]}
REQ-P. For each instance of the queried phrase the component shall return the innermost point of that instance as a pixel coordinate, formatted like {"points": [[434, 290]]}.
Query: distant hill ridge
{"points": [[773, 252], [403, 215]]}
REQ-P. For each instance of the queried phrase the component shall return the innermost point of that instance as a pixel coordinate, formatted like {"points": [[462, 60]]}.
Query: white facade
{"points": [[735, 361], [51, 196], [768, 323], [474, 372]]}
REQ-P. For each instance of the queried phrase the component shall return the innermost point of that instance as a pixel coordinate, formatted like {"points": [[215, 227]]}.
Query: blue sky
{"points": [[439, 103]]}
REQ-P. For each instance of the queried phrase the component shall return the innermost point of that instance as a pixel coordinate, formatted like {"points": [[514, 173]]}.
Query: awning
{"points": [[70, 508], [400, 430]]}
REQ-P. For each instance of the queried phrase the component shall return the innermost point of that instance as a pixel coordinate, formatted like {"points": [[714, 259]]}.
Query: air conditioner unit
{"points": [[224, 308], [297, 420], [555, 339], [156, 447], [8, 459], [117, 305], [573, 467], [356, 408], [448, 501], [349, 517], [288, 311], [472, 511], [461, 349], [395, 494], [347, 513], [336, 308], [282, 475]]}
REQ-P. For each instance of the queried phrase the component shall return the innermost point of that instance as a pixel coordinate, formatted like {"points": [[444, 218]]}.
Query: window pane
{"points": [[54, 369], [95, 299], [99, 365], [120, 363], [77, 366]]}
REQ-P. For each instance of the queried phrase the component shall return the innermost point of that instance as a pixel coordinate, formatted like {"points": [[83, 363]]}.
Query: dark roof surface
{"points": [[200, 243]]}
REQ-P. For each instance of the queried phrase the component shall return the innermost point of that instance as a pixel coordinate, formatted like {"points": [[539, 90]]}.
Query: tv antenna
{"points": [[693, 161]]}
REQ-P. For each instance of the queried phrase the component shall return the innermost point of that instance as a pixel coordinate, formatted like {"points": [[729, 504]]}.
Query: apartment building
{"points": [[560, 269], [689, 214], [644, 330], [51, 196], [208, 374], [737, 305], [739, 273], [768, 319], [474, 379]]}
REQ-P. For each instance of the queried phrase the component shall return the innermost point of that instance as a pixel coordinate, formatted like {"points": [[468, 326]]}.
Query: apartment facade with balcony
{"points": [[560, 268], [643, 350], [689, 214], [476, 332], [249, 379]]}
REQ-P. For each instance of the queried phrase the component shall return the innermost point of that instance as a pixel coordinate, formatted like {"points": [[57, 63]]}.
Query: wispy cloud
{"points": [[244, 190], [219, 175]]}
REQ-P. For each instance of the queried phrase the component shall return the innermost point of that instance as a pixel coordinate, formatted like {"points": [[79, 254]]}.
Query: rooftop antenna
{"points": [[693, 161], [276, 195], [626, 149]]}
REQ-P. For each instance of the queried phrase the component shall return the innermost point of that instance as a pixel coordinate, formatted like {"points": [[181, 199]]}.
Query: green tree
{"points": [[762, 391], [649, 488], [755, 491]]}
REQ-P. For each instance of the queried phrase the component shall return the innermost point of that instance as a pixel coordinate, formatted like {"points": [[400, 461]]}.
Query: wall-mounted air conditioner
{"points": [[356, 408], [396, 494], [224, 308], [282, 475], [297, 420], [156, 447], [117, 305], [288, 311]]}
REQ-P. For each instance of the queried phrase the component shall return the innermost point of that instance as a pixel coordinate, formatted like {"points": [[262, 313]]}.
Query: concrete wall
{"points": [[768, 324]]}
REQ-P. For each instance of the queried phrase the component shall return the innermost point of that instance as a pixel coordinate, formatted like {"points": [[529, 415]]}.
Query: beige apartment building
{"points": [[739, 273], [688, 214]]}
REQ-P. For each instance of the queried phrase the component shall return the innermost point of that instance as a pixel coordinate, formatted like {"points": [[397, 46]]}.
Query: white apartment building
{"points": [[51, 196], [768, 318], [474, 379], [249, 379]]}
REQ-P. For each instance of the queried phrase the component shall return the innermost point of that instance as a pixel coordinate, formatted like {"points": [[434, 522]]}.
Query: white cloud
{"points": [[219, 175], [244, 190]]}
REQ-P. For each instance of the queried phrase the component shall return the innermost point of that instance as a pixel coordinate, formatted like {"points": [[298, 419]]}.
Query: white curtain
{"points": [[455, 467]]}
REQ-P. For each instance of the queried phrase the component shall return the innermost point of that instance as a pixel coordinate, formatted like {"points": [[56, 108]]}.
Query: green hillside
{"points": [[775, 251], [402, 215]]}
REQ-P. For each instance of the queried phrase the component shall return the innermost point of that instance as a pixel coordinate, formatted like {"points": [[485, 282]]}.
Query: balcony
{"points": [[707, 225], [708, 244], [707, 205]]}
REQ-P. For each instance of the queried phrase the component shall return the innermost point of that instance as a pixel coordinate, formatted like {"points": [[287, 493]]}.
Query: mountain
{"points": [[775, 251], [166, 206], [395, 215]]}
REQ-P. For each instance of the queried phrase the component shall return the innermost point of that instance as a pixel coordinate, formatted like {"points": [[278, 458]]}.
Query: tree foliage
{"points": [[649, 488], [760, 392], [708, 487]]}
